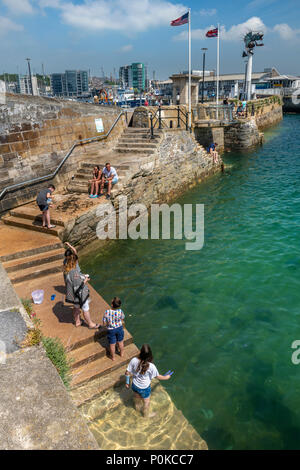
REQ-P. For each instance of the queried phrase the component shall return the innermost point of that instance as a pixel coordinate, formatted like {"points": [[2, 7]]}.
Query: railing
{"points": [[52, 175], [222, 113], [157, 117]]}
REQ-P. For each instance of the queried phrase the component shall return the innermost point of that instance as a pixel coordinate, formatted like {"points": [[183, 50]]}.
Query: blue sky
{"points": [[90, 34]]}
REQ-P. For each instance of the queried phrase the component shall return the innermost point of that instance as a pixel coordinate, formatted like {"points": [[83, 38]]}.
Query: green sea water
{"points": [[224, 317]]}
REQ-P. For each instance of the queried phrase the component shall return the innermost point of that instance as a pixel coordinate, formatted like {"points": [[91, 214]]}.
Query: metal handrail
{"points": [[52, 175]]}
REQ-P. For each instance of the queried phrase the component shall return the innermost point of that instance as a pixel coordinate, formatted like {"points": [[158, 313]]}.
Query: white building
{"points": [[2, 86], [24, 85]]}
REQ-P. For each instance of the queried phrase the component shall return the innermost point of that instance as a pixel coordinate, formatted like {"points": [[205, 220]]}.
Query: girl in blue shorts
{"points": [[113, 319], [143, 371]]}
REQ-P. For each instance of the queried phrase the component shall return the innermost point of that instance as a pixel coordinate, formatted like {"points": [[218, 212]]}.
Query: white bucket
{"points": [[37, 296]]}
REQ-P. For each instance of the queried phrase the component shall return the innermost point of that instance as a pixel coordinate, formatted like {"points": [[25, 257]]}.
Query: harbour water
{"points": [[224, 317]]}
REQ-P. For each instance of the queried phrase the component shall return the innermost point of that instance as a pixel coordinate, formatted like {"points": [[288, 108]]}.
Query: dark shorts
{"points": [[143, 392], [116, 335], [43, 208]]}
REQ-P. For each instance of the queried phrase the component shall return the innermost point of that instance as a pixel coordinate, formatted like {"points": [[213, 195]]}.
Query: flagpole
{"points": [[218, 69], [190, 72]]}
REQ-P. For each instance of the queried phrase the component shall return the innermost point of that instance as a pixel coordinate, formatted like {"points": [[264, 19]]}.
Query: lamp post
{"points": [[29, 72], [204, 49]]}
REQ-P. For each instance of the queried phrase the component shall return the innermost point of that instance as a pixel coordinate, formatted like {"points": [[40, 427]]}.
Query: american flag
{"points": [[213, 33], [182, 20]]}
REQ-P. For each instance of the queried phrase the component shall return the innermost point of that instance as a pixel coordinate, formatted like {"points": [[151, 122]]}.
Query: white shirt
{"points": [[110, 173], [142, 380]]}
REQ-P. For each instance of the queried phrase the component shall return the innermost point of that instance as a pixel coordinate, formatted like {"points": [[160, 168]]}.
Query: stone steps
{"points": [[93, 350], [34, 272], [34, 260], [137, 145], [29, 225], [35, 251], [102, 366], [134, 150], [115, 398], [31, 215]]}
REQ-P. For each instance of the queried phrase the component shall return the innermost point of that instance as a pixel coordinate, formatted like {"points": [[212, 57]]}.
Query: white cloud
{"points": [[49, 3], [7, 25], [234, 33], [286, 32], [120, 15], [126, 48], [207, 12], [19, 7]]}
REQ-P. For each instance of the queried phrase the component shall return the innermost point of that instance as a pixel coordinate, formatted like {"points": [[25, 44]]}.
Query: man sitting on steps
{"points": [[109, 177]]}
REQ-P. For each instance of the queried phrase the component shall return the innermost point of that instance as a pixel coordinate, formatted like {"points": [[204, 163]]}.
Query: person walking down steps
{"points": [[44, 200]]}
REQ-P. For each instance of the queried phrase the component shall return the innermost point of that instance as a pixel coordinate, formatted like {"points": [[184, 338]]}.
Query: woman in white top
{"points": [[143, 371]]}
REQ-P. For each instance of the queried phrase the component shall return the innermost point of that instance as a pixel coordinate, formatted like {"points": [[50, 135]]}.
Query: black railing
{"points": [[158, 118]]}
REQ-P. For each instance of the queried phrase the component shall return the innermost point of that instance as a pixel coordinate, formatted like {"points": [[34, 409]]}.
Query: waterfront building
{"points": [[231, 85], [69, 83], [133, 76]]}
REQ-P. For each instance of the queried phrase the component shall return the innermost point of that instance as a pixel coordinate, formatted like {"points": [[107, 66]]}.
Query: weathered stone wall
{"points": [[36, 133], [242, 135], [178, 164], [271, 116]]}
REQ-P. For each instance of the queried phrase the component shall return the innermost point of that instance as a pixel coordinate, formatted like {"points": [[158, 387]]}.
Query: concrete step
{"points": [[35, 260], [134, 150], [30, 215], [29, 225], [140, 130], [94, 350], [32, 252], [134, 144], [86, 172], [90, 166], [36, 271], [102, 366], [138, 138]]}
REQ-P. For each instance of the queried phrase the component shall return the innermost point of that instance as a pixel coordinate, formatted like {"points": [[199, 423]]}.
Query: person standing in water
{"points": [[143, 371]]}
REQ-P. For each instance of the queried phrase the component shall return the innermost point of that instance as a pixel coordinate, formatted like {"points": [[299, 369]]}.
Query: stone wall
{"points": [[242, 135], [178, 164], [36, 133]]}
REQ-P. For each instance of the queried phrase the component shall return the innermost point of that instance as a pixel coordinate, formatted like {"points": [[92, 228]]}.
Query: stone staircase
{"points": [[133, 145], [35, 263], [138, 141], [80, 181]]}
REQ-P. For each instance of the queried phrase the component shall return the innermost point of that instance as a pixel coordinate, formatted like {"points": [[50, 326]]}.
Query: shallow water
{"points": [[224, 317]]}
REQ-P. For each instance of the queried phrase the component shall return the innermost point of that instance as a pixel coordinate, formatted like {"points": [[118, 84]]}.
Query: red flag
{"points": [[213, 33]]}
